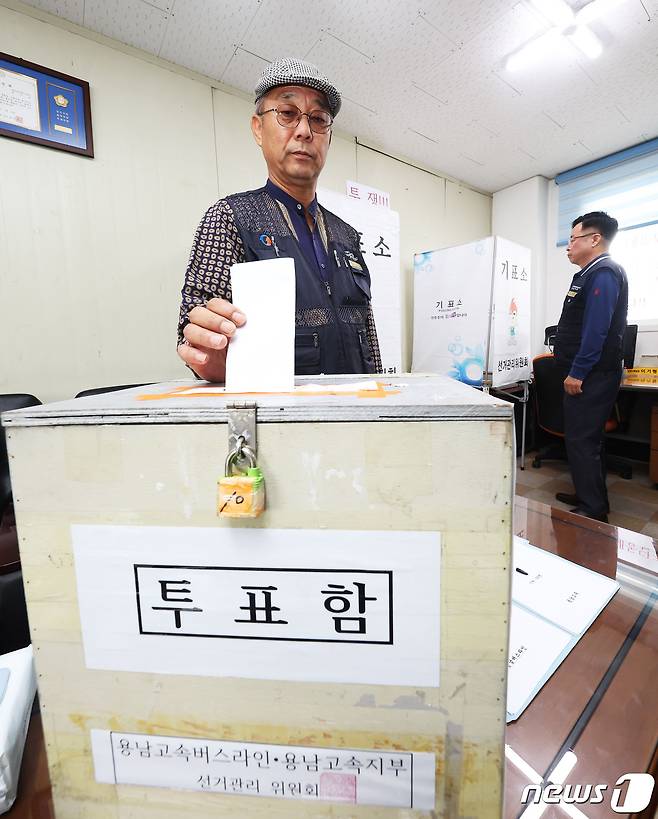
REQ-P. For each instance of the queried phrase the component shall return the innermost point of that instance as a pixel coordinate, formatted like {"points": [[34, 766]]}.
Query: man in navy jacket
{"points": [[589, 351]]}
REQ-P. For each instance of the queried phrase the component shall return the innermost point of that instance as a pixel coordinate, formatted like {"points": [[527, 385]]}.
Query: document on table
{"points": [[557, 589], [261, 355], [534, 646], [554, 602]]}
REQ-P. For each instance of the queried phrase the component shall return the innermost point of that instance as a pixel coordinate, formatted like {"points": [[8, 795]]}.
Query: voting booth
{"points": [[342, 654], [472, 306]]}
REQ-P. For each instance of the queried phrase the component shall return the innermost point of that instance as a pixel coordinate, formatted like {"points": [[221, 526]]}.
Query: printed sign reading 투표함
{"points": [[365, 604], [349, 605]]}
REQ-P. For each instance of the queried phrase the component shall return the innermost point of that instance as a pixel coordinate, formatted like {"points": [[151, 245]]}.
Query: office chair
{"points": [[10, 401], [548, 390], [14, 628], [100, 390], [627, 345], [549, 336]]}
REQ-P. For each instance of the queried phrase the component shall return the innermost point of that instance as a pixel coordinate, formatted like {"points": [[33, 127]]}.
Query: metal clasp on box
{"points": [[241, 492], [242, 428]]}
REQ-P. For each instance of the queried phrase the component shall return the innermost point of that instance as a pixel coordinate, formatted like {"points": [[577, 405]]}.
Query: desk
{"points": [[621, 734], [14, 629], [518, 393], [610, 724], [635, 437], [653, 454], [638, 387], [34, 799]]}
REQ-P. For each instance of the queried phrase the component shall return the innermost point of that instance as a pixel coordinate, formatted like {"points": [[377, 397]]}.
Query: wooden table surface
{"points": [[602, 702], [607, 716]]}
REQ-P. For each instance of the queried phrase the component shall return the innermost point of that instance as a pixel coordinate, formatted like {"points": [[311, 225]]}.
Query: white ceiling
{"points": [[426, 83]]}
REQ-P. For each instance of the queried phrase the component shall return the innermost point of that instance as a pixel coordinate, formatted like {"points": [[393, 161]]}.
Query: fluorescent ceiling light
{"points": [[596, 9], [533, 51], [586, 41], [556, 11], [565, 22]]}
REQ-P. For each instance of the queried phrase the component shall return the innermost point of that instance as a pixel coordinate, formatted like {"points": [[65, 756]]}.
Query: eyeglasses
{"points": [[572, 239], [289, 116]]}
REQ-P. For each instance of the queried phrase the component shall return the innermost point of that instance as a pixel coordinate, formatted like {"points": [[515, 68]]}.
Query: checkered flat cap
{"points": [[291, 71]]}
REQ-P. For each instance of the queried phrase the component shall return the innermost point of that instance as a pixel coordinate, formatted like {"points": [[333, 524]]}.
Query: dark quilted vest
{"points": [[330, 319], [570, 326]]}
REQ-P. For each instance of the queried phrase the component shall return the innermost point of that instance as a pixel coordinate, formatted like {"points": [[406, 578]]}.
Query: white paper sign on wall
{"points": [[379, 229], [364, 193]]}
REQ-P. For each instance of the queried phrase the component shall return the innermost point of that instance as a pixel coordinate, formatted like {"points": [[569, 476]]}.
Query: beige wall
{"points": [[92, 251]]}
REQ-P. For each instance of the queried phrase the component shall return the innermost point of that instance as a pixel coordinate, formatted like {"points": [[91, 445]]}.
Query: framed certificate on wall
{"points": [[45, 107]]}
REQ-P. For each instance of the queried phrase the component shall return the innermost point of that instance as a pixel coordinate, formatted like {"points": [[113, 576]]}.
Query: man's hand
{"points": [[207, 336], [573, 386]]}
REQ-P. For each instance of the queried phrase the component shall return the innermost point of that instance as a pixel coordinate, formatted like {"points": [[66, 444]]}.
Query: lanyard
{"points": [[322, 231]]}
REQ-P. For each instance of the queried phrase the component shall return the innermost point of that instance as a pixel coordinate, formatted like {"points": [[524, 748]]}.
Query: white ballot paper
{"points": [[554, 602], [261, 355], [558, 590], [534, 647]]}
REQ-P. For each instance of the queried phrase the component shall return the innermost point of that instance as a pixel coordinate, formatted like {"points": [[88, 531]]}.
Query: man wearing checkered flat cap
{"points": [[334, 324]]}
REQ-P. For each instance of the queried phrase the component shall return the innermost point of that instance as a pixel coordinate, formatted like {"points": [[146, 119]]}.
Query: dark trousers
{"points": [[585, 415]]}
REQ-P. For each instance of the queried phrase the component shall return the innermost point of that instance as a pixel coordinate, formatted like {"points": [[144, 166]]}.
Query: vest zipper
{"points": [[339, 328]]}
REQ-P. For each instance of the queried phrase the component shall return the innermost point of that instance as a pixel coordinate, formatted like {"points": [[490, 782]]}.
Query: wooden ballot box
{"points": [[343, 654]]}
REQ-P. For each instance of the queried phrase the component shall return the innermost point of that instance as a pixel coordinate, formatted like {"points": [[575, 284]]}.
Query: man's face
{"points": [[293, 155], [584, 245]]}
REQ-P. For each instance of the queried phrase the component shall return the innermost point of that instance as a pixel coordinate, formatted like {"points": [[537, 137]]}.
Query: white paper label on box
{"points": [[312, 605], [358, 603], [358, 777]]}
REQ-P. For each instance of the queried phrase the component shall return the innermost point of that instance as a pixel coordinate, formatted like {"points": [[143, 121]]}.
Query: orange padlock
{"points": [[241, 496]]}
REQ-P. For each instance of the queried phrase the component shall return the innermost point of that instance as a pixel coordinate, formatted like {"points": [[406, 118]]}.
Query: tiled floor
{"points": [[633, 503]]}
